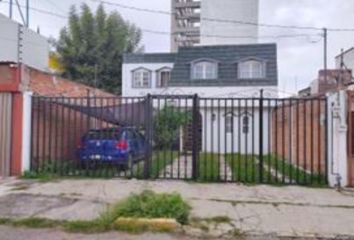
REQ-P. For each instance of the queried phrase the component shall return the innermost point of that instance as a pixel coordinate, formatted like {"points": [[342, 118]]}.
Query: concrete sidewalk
{"points": [[264, 210]]}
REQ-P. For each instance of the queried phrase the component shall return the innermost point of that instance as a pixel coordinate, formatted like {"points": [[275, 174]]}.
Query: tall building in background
{"points": [[198, 22], [185, 23]]}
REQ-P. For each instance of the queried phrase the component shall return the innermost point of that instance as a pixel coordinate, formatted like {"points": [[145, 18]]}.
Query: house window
{"points": [[141, 78], [229, 123], [163, 77], [245, 124], [204, 70], [252, 69]]}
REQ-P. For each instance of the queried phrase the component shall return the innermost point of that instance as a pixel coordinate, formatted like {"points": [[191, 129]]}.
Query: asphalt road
{"points": [[17, 233], [11, 233]]}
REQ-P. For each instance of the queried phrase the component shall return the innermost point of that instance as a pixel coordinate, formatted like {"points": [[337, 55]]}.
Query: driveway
{"points": [[261, 210]]}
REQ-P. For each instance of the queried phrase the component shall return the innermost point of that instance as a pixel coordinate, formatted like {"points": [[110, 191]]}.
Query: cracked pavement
{"points": [[290, 211]]}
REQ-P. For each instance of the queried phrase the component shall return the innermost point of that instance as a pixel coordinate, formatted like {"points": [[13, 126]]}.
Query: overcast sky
{"points": [[299, 59]]}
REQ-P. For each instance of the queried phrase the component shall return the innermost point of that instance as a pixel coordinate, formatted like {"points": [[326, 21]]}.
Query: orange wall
{"points": [[298, 134], [10, 77]]}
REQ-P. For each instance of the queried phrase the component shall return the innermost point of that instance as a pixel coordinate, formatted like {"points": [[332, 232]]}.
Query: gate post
{"points": [[195, 151], [261, 136], [148, 135]]}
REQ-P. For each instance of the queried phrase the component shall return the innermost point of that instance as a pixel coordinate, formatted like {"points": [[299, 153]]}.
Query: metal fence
{"points": [[251, 140]]}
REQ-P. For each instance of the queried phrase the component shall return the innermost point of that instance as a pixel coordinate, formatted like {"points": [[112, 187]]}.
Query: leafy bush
{"points": [[167, 124], [46, 172], [152, 205]]}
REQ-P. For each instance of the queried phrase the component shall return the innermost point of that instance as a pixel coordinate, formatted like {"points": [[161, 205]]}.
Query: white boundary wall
{"points": [[337, 139], [26, 128]]}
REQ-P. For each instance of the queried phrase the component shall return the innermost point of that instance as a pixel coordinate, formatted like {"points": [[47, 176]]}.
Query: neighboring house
{"points": [[17, 83], [22, 45], [345, 60], [305, 92], [335, 79], [212, 72]]}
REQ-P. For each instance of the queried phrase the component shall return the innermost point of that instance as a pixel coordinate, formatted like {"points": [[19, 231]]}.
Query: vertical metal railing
{"points": [[252, 140]]}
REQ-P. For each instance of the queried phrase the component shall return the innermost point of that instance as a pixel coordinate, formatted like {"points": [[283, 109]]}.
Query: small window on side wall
{"points": [[229, 123], [141, 78], [163, 78], [204, 70], [245, 123], [252, 69]]}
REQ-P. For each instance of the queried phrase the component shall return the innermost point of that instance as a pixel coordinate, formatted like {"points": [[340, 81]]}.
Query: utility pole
{"points": [[25, 19], [341, 71], [27, 13], [10, 9], [325, 53]]}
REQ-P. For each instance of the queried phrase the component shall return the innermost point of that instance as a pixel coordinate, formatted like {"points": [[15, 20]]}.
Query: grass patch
{"points": [[145, 205], [95, 226], [276, 171], [292, 172], [160, 160], [245, 168], [208, 167], [45, 174], [50, 171], [36, 223], [4, 221], [152, 205]]}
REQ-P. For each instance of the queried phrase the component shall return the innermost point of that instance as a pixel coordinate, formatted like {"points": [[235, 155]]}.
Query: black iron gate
{"points": [[251, 140]]}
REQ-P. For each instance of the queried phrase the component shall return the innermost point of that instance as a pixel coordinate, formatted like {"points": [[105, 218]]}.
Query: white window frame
{"points": [[159, 77], [252, 69], [141, 78], [245, 124], [229, 123], [204, 69]]}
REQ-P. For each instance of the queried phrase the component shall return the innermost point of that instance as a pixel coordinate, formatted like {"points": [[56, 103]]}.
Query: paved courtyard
{"points": [[263, 210]]}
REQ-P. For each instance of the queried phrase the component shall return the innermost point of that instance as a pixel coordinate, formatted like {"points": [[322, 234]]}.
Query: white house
{"points": [[226, 78]]}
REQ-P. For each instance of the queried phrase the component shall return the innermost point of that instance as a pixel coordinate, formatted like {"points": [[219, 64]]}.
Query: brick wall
{"points": [[57, 130], [298, 134], [336, 79]]}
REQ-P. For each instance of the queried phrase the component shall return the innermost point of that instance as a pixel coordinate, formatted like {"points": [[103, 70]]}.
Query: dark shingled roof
{"points": [[227, 57], [149, 58]]}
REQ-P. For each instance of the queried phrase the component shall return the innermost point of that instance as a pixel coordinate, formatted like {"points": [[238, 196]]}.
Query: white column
{"points": [[337, 139], [26, 126]]}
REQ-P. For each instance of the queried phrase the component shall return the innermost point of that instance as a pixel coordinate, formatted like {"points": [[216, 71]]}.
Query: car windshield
{"points": [[104, 134]]}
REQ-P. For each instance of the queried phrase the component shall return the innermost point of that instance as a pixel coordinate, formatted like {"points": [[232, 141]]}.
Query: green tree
{"points": [[167, 124], [93, 45]]}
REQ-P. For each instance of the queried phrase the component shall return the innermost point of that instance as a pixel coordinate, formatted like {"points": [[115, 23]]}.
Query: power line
{"points": [[234, 36], [206, 19], [203, 35], [43, 11], [224, 20], [55, 5]]}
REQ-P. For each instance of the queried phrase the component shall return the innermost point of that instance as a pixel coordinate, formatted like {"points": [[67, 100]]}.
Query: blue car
{"points": [[119, 146]]}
